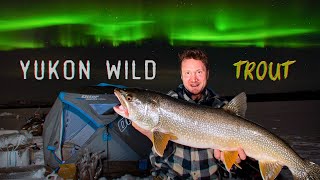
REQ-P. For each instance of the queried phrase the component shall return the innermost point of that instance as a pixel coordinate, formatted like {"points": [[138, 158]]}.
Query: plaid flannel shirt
{"points": [[183, 162]]}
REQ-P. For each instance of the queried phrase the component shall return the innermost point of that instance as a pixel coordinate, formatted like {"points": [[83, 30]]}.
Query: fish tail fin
{"points": [[312, 172]]}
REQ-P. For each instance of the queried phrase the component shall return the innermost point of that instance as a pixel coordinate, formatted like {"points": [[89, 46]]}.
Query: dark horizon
{"points": [[262, 97]]}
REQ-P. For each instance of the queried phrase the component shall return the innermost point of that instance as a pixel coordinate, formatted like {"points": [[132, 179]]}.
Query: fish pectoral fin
{"points": [[269, 169], [230, 158], [237, 165], [160, 141]]}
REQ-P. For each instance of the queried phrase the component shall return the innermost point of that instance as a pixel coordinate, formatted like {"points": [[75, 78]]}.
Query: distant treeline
{"points": [[263, 97], [289, 96]]}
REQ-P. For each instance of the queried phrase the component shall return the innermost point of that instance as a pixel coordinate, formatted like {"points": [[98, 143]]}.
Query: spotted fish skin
{"points": [[200, 126]]}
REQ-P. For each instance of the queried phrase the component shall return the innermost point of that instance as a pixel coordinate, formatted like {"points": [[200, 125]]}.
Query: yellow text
{"points": [[274, 70]]}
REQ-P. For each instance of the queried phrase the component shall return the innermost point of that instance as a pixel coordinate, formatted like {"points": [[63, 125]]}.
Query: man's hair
{"points": [[196, 54]]}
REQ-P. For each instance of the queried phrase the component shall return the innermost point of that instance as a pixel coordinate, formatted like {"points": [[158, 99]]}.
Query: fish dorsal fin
{"points": [[269, 169], [238, 105], [160, 141], [230, 158]]}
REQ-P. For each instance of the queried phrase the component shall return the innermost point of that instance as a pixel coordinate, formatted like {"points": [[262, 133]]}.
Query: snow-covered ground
{"points": [[297, 122]]}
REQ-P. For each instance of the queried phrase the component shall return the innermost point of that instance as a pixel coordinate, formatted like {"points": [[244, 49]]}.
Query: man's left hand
{"points": [[220, 155]]}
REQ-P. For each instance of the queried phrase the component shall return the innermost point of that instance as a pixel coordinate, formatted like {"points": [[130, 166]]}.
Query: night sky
{"points": [[271, 31], [38, 24]]}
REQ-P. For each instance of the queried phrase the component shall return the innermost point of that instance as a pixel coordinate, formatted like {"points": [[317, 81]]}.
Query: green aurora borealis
{"points": [[39, 24]]}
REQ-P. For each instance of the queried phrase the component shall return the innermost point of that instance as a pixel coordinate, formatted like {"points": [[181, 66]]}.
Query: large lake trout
{"points": [[199, 126]]}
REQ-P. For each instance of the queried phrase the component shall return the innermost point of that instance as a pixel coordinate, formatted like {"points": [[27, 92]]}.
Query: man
{"points": [[179, 161]]}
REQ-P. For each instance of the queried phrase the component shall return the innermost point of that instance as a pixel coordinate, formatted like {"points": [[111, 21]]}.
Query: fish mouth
{"points": [[122, 108]]}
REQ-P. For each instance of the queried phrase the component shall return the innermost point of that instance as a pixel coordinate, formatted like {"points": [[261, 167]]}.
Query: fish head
{"points": [[139, 106]]}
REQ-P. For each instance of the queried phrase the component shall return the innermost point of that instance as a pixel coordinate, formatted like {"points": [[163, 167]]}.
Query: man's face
{"points": [[194, 75]]}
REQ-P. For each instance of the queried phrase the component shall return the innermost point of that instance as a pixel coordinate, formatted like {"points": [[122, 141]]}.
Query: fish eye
{"points": [[128, 98]]}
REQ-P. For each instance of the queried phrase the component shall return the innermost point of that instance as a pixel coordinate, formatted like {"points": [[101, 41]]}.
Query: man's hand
{"points": [[143, 131], [220, 156]]}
